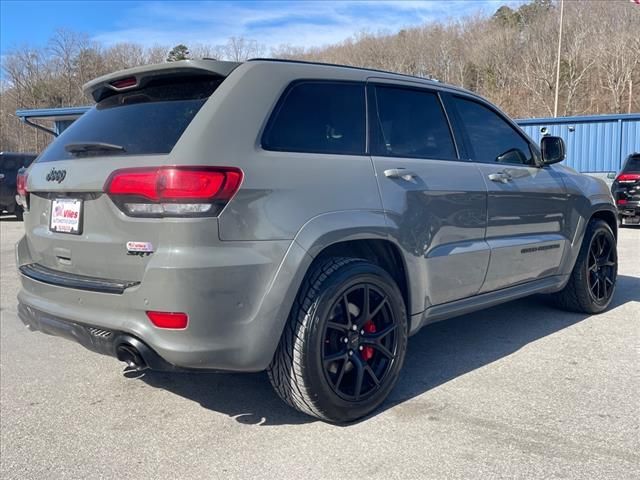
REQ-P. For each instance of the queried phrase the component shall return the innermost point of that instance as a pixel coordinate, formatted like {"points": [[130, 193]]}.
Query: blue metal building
{"points": [[596, 144]]}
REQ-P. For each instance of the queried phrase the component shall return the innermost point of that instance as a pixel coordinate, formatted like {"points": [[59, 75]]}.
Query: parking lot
{"points": [[517, 391]]}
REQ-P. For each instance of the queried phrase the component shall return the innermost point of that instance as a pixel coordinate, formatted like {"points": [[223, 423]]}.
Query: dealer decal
{"points": [[139, 248]]}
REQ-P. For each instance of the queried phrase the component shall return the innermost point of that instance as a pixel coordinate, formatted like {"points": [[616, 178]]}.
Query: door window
{"points": [[410, 123], [491, 138]]}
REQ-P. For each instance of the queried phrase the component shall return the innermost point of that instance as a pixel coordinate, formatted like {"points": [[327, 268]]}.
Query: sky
{"points": [[272, 23]]}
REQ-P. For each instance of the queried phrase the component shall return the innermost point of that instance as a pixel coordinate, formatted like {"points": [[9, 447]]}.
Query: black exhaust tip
{"points": [[131, 356]]}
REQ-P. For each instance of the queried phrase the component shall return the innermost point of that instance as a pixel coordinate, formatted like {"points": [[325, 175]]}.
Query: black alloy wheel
{"points": [[601, 266], [360, 342], [342, 349], [592, 282]]}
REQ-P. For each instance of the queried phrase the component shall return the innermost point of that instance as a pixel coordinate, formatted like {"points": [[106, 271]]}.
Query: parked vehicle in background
{"points": [[10, 165], [626, 191], [299, 218]]}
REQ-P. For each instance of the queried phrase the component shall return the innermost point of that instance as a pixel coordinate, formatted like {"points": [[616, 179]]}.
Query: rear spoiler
{"points": [[132, 78]]}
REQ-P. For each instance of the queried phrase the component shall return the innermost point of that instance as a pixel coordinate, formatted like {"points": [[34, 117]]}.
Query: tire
{"points": [[19, 212], [578, 295], [302, 371]]}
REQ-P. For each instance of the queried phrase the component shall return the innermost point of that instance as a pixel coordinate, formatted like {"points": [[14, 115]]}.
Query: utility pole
{"points": [[555, 104]]}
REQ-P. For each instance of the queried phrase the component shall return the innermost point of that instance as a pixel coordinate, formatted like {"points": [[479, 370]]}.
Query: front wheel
{"points": [[344, 344], [593, 279]]}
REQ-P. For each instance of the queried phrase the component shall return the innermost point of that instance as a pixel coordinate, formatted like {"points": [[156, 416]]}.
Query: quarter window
{"points": [[410, 123], [319, 117], [492, 138]]}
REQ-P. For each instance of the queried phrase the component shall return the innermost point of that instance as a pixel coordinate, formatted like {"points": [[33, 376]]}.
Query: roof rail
{"points": [[324, 64]]}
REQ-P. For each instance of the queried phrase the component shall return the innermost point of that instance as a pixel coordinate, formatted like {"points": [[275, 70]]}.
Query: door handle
{"points": [[399, 173], [502, 177]]}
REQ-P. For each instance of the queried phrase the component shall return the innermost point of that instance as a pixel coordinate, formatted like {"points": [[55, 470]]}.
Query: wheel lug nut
{"points": [[350, 352], [360, 348], [354, 328], [345, 340], [361, 332]]}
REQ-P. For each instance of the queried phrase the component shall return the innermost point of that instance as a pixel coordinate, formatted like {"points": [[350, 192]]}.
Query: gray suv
{"points": [[299, 218]]}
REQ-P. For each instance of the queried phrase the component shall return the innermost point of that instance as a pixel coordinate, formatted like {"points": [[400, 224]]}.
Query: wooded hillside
{"points": [[509, 57]]}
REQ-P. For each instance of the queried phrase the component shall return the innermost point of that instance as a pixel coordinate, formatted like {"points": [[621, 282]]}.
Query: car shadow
{"points": [[439, 353], [8, 217]]}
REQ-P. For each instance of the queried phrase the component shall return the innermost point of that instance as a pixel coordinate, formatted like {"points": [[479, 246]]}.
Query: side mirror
{"points": [[611, 175], [553, 150]]}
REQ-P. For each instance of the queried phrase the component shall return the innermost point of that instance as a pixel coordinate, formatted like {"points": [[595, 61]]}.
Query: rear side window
{"points": [[319, 117], [492, 138], [410, 123], [149, 120]]}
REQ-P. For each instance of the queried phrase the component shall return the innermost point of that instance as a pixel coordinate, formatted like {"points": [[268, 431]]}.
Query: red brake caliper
{"points": [[367, 352]]}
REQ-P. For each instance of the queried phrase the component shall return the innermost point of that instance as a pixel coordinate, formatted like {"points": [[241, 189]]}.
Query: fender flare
{"points": [[313, 237], [597, 203]]}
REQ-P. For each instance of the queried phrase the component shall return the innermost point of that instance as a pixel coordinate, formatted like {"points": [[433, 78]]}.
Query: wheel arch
{"points": [[606, 213], [363, 234], [383, 253]]}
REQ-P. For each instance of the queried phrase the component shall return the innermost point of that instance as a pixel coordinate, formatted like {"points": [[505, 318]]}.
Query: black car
{"points": [[10, 164], [626, 191]]}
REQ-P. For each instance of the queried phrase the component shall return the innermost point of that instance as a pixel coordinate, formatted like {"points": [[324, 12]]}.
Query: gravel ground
{"points": [[517, 391]]}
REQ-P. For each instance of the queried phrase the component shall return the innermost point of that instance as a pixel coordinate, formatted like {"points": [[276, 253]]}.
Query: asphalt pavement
{"points": [[521, 390]]}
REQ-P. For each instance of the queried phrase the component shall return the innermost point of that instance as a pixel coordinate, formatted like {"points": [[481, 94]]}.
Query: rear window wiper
{"points": [[90, 147]]}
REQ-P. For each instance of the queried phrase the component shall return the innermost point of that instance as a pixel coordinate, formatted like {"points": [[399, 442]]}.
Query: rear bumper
{"points": [[106, 342], [237, 299], [630, 209], [8, 203]]}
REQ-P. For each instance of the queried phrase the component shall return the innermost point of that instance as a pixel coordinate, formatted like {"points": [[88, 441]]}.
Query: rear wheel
{"points": [[19, 212], [593, 280], [343, 347]]}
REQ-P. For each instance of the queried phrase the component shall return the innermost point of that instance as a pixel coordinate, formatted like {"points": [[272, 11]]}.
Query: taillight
{"points": [[622, 201], [125, 83], [21, 184], [172, 320], [21, 189], [628, 177], [173, 191]]}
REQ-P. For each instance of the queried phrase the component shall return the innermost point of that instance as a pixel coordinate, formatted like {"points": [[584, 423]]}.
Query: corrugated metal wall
{"points": [[597, 143]]}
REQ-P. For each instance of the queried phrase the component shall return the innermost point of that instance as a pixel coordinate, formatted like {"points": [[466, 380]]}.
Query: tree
{"points": [[179, 52], [239, 49], [506, 16], [509, 57]]}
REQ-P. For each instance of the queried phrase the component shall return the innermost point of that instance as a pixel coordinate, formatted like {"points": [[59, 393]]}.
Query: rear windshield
{"points": [[144, 121], [633, 164]]}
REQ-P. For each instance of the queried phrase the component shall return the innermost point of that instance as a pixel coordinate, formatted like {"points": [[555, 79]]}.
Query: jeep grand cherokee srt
{"points": [[626, 191], [299, 218]]}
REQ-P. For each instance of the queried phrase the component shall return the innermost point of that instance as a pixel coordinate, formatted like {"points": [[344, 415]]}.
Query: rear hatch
{"points": [[626, 187], [73, 224]]}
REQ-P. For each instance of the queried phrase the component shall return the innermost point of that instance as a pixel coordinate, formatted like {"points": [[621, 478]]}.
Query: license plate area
{"points": [[66, 215]]}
